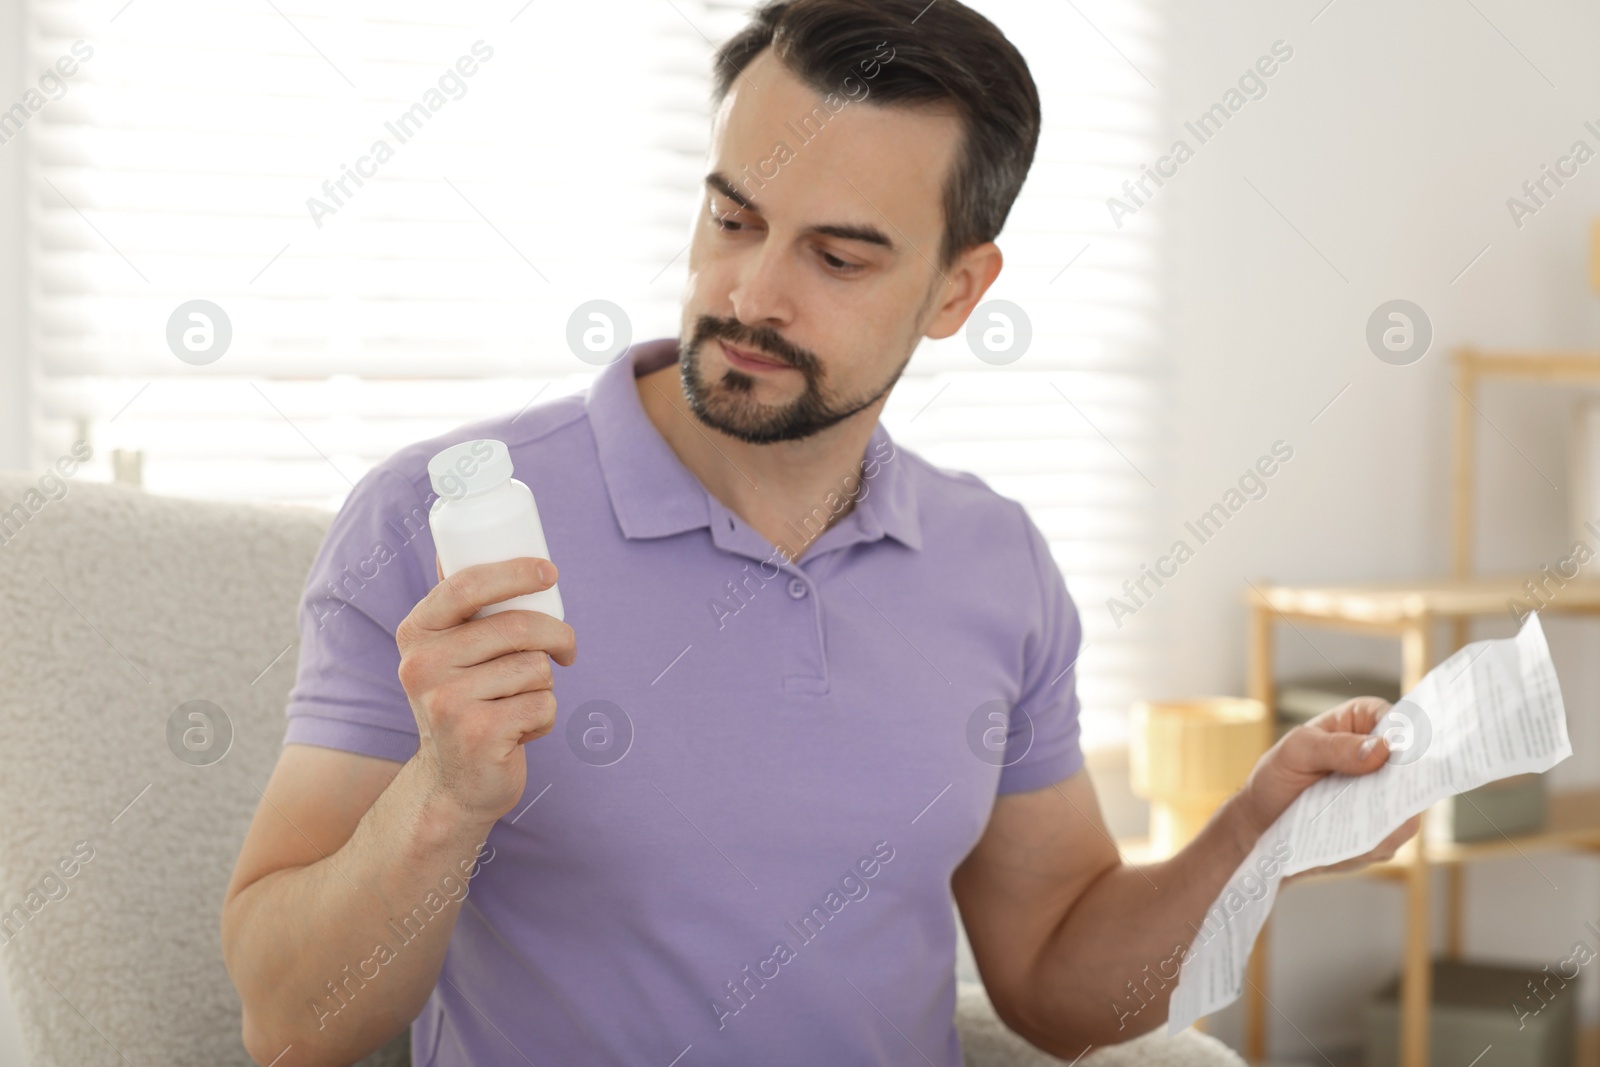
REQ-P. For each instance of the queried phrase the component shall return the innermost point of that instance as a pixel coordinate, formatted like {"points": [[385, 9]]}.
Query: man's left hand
{"points": [[1339, 740]]}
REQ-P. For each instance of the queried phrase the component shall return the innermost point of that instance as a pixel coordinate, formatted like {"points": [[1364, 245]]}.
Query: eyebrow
{"points": [[842, 230]]}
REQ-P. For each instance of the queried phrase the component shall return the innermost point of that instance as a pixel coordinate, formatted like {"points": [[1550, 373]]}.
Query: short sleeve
{"points": [[366, 578], [1042, 744]]}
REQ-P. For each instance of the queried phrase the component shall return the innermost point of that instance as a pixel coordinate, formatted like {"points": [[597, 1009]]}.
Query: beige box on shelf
{"points": [[1506, 808], [1300, 700], [1483, 1015]]}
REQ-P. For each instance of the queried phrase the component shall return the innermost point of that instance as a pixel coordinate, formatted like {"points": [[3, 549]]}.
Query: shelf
{"points": [[1547, 366], [1391, 604], [1411, 611], [1574, 823]]}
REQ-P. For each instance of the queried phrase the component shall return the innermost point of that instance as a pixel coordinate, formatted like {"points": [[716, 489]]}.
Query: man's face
{"points": [[826, 267]]}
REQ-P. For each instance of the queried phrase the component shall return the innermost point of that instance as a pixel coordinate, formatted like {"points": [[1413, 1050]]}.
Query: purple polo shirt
{"points": [[736, 844]]}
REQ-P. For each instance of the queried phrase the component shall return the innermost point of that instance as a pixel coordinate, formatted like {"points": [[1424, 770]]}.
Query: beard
{"points": [[730, 405]]}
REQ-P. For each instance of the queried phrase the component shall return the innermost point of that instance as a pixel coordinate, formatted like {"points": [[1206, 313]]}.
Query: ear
{"points": [[962, 287]]}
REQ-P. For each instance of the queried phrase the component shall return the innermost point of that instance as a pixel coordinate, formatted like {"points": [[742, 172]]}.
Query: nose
{"points": [[763, 293]]}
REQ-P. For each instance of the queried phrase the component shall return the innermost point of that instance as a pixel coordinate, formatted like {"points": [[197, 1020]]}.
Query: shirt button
{"points": [[797, 588]]}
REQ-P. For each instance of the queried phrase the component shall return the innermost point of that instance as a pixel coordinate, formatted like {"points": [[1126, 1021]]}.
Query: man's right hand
{"points": [[366, 838], [481, 688]]}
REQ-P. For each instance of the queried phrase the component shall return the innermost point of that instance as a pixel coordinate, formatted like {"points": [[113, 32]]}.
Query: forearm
{"points": [[1108, 968], [337, 956]]}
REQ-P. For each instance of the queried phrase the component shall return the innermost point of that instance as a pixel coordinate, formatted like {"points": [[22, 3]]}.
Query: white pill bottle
{"points": [[484, 515]]}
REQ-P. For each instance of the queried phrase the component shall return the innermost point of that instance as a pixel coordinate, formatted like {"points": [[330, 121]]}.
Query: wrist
{"points": [[439, 822], [1245, 824]]}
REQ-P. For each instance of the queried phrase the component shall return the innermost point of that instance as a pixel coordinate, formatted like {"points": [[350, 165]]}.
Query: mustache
{"points": [[761, 338]]}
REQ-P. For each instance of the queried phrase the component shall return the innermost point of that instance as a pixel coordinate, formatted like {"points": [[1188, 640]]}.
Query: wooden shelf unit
{"points": [[1413, 612]]}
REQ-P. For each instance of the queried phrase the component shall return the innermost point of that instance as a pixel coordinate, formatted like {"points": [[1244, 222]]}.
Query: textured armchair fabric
{"points": [[985, 1042]]}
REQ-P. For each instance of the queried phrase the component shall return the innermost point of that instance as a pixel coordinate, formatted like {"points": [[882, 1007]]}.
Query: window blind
{"points": [[1074, 428], [205, 153], [534, 157]]}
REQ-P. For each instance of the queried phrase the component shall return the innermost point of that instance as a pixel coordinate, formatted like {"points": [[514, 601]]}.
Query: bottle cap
{"points": [[469, 467]]}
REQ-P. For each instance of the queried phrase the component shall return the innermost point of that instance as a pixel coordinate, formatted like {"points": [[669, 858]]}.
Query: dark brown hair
{"points": [[945, 53]]}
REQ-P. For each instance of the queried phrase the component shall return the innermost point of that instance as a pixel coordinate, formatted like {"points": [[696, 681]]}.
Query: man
{"points": [[825, 685]]}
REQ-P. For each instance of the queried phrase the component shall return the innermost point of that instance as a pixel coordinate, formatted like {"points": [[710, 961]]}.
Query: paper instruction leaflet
{"points": [[1493, 709]]}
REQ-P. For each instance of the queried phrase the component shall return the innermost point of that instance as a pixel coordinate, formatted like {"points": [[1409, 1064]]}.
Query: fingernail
{"points": [[544, 572], [1366, 747]]}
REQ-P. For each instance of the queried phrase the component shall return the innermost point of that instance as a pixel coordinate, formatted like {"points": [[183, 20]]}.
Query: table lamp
{"points": [[1186, 757]]}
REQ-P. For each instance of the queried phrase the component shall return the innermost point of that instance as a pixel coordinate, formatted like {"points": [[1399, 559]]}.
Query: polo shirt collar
{"points": [[654, 495]]}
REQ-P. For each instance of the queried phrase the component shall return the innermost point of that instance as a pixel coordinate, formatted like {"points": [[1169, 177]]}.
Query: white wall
{"points": [[1390, 142]]}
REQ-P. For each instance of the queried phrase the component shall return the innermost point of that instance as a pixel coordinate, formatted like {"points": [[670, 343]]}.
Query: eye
{"points": [[837, 264], [722, 219]]}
